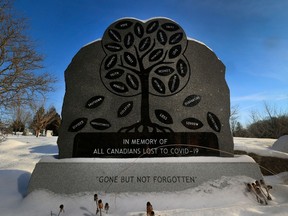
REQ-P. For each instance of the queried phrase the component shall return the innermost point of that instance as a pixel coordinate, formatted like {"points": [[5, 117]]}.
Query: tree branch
{"points": [[18, 61], [160, 62], [126, 67], [148, 51]]}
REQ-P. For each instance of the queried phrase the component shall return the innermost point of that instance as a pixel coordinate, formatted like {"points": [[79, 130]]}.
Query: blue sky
{"points": [[249, 36]]}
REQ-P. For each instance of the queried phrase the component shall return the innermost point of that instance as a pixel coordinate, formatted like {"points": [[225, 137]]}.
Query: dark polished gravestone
{"points": [[145, 90], [138, 103]]}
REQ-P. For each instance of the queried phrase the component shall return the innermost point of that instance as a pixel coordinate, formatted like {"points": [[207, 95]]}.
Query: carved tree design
{"points": [[143, 59]]}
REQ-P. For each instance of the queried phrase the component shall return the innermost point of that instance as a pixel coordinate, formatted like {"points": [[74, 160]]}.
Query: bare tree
{"points": [[21, 116], [272, 123], [275, 125], [18, 62], [234, 116]]}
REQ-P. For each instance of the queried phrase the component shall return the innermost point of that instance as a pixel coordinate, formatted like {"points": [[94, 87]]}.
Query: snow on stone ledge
{"points": [[235, 159]]}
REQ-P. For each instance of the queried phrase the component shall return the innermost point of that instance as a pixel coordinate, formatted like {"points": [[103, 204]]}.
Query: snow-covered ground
{"points": [[263, 147], [225, 196]]}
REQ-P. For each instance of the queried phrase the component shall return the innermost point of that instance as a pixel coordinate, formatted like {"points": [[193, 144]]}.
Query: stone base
{"points": [[68, 176]]}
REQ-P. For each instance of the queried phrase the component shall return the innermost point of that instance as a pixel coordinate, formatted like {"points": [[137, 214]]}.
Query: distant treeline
{"points": [[271, 124]]}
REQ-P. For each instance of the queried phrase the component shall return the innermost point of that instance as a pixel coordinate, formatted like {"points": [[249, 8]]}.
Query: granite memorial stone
{"points": [[145, 90], [135, 100]]}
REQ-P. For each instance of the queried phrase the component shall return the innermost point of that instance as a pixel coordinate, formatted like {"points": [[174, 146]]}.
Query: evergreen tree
{"points": [[42, 119], [54, 125], [17, 126], [240, 131]]}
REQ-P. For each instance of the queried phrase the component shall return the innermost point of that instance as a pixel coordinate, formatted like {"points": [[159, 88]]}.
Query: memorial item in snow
{"points": [[145, 90]]}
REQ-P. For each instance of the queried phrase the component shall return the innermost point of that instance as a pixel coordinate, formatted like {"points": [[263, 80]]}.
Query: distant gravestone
{"points": [[49, 133], [145, 90], [281, 144]]}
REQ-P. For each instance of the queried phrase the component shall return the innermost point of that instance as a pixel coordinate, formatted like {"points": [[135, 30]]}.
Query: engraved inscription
{"points": [[192, 123], [213, 122], [175, 51], [191, 100], [77, 125], [114, 35], [125, 109], [163, 116], [100, 124], [176, 38], [94, 102]]}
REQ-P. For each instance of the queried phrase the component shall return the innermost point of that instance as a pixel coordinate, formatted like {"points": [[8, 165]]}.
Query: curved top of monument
{"points": [[147, 20], [145, 80]]}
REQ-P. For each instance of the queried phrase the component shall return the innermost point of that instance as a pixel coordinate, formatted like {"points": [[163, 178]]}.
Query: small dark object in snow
{"points": [[61, 209], [100, 206], [106, 207], [96, 197], [267, 188], [149, 208], [251, 189], [96, 201]]}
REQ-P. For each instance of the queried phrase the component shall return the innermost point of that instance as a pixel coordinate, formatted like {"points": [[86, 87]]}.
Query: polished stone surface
{"points": [[142, 79]]}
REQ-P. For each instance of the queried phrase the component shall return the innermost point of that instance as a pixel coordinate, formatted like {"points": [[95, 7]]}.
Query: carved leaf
{"points": [[132, 81], [176, 38], [192, 123], [77, 124], [158, 85], [164, 70], [114, 74], [156, 55], [94, 102], [100, 124], [144, 43], [173, 83], [123, 24], [128, 40], [119, 87], [175, 51], [114, 35], [161, 37], [214, 122], [181, 68], [139, 30], [130, 59], [152, 27], [113, 47], [191, 100], [170, 27], [125, 109], [164, 116], [110, 62]]}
